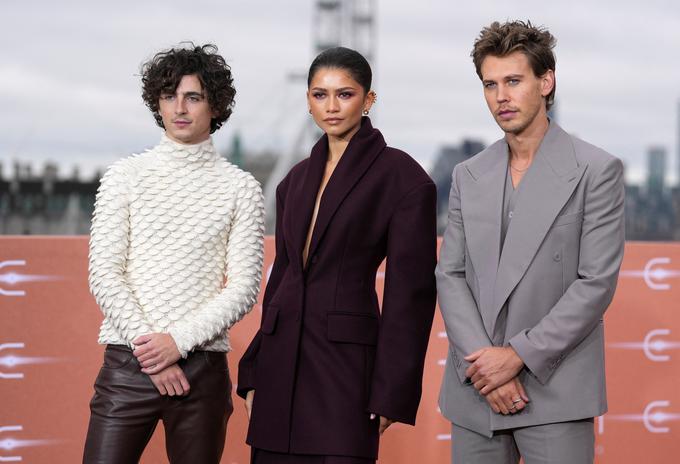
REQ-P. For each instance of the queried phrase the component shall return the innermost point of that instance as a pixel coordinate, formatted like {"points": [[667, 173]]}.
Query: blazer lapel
{"points": [[545, 189], [481, 206], [360, 153], [303, 199]]}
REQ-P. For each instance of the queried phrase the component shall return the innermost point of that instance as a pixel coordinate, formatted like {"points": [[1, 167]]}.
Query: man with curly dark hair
{"points": [[176, 254]]}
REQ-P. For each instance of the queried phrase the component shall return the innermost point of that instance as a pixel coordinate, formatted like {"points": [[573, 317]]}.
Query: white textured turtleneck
{"points": [[176, 246]]}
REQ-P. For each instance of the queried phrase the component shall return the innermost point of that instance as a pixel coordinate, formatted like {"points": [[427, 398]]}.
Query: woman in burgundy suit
{"points": [[328, 371]]}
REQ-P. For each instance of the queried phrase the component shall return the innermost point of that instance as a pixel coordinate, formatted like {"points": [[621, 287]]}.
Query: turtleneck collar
{"points": [[180, 154]]}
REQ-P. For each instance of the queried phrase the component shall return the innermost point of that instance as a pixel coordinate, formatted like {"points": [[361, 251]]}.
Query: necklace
{"points": [[518, 170]]}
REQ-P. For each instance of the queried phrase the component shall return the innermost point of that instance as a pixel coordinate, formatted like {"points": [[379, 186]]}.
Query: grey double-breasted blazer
{"points": [[557, 272]]}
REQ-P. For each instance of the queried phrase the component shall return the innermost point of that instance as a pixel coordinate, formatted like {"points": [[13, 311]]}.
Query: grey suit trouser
{"points": [[559, 443]]}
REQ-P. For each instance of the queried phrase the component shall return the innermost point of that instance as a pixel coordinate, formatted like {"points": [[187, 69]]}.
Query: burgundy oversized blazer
{"points": [[325, 357]]}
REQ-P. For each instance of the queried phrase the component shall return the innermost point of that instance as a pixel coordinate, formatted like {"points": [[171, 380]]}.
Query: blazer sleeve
{"points": [[248, 362], [109, 243], [463, 322], [582, 306], [408, 306]]}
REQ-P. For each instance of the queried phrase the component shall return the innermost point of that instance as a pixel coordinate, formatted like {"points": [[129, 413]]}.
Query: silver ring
{"points": [[513, 407], [516, 401]]}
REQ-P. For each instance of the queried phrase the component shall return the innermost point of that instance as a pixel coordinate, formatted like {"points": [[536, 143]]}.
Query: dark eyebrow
{"points": [[194, 94], [341, 89], [513, 76]]}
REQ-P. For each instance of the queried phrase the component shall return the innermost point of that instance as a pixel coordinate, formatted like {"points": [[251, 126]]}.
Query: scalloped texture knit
{"points": [[176, 246]]}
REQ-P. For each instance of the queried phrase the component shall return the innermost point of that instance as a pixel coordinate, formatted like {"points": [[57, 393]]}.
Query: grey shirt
{"points": [[509, 200]]}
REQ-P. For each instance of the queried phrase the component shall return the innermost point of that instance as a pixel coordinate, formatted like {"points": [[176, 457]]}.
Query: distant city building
{"points": [[677, 147], [652, 211], [45, 204], [449, 156], [652, 217], [49, 205], [656, 170], [675, 211]]}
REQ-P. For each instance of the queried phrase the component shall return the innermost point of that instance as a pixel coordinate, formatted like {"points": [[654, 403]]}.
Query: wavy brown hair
{"points": [[162, 74], [500, 40]]}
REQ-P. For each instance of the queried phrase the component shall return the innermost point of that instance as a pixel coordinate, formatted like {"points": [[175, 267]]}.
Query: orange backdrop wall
{"points": [[49, 359]]}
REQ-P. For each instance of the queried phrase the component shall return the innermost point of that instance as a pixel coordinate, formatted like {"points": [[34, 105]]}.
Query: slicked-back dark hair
{"points": [[500, 40], [163, 73], [346, 59]]}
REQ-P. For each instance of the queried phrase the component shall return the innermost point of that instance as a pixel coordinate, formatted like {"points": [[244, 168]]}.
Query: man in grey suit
{"points": [[528, 266]]}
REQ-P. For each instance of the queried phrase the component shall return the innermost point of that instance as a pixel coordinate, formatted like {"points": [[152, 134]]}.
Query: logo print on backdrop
{"points": [[653, 417], [10, 361], [11, 278], [654, 274], [9, 444], [652, 345]]}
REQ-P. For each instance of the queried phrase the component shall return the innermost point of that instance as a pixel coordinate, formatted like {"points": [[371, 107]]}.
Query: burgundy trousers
{"points": [[259, 456], [126, 408]]}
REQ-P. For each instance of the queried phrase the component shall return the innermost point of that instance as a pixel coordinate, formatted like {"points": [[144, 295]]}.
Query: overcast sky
{"points": [[69, 73]]}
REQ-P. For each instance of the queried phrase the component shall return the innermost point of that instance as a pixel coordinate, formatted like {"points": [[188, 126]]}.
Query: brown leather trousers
{"points": [[126, 408]]}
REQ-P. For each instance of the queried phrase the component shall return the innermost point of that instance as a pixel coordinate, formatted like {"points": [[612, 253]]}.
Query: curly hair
{"points": [[500, 40], [163, 73]]}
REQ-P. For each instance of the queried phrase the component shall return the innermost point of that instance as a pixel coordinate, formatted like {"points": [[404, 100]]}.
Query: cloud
{"points": [[69, 83]]}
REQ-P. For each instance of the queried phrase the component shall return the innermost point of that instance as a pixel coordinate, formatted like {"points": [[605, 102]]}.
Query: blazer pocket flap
{"points": [[568, 218], [269, 320], [353, 328]]}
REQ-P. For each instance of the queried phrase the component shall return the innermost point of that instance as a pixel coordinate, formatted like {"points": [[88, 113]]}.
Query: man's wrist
{"points": [[183, 352], [516, 360]]}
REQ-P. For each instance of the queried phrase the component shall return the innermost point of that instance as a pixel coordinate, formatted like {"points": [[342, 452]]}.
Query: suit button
{"points": [[557, 257]]}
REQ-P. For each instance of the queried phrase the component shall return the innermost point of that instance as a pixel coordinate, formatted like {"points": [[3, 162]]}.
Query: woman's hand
{"points": [[384, 423], [249, 402]]}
